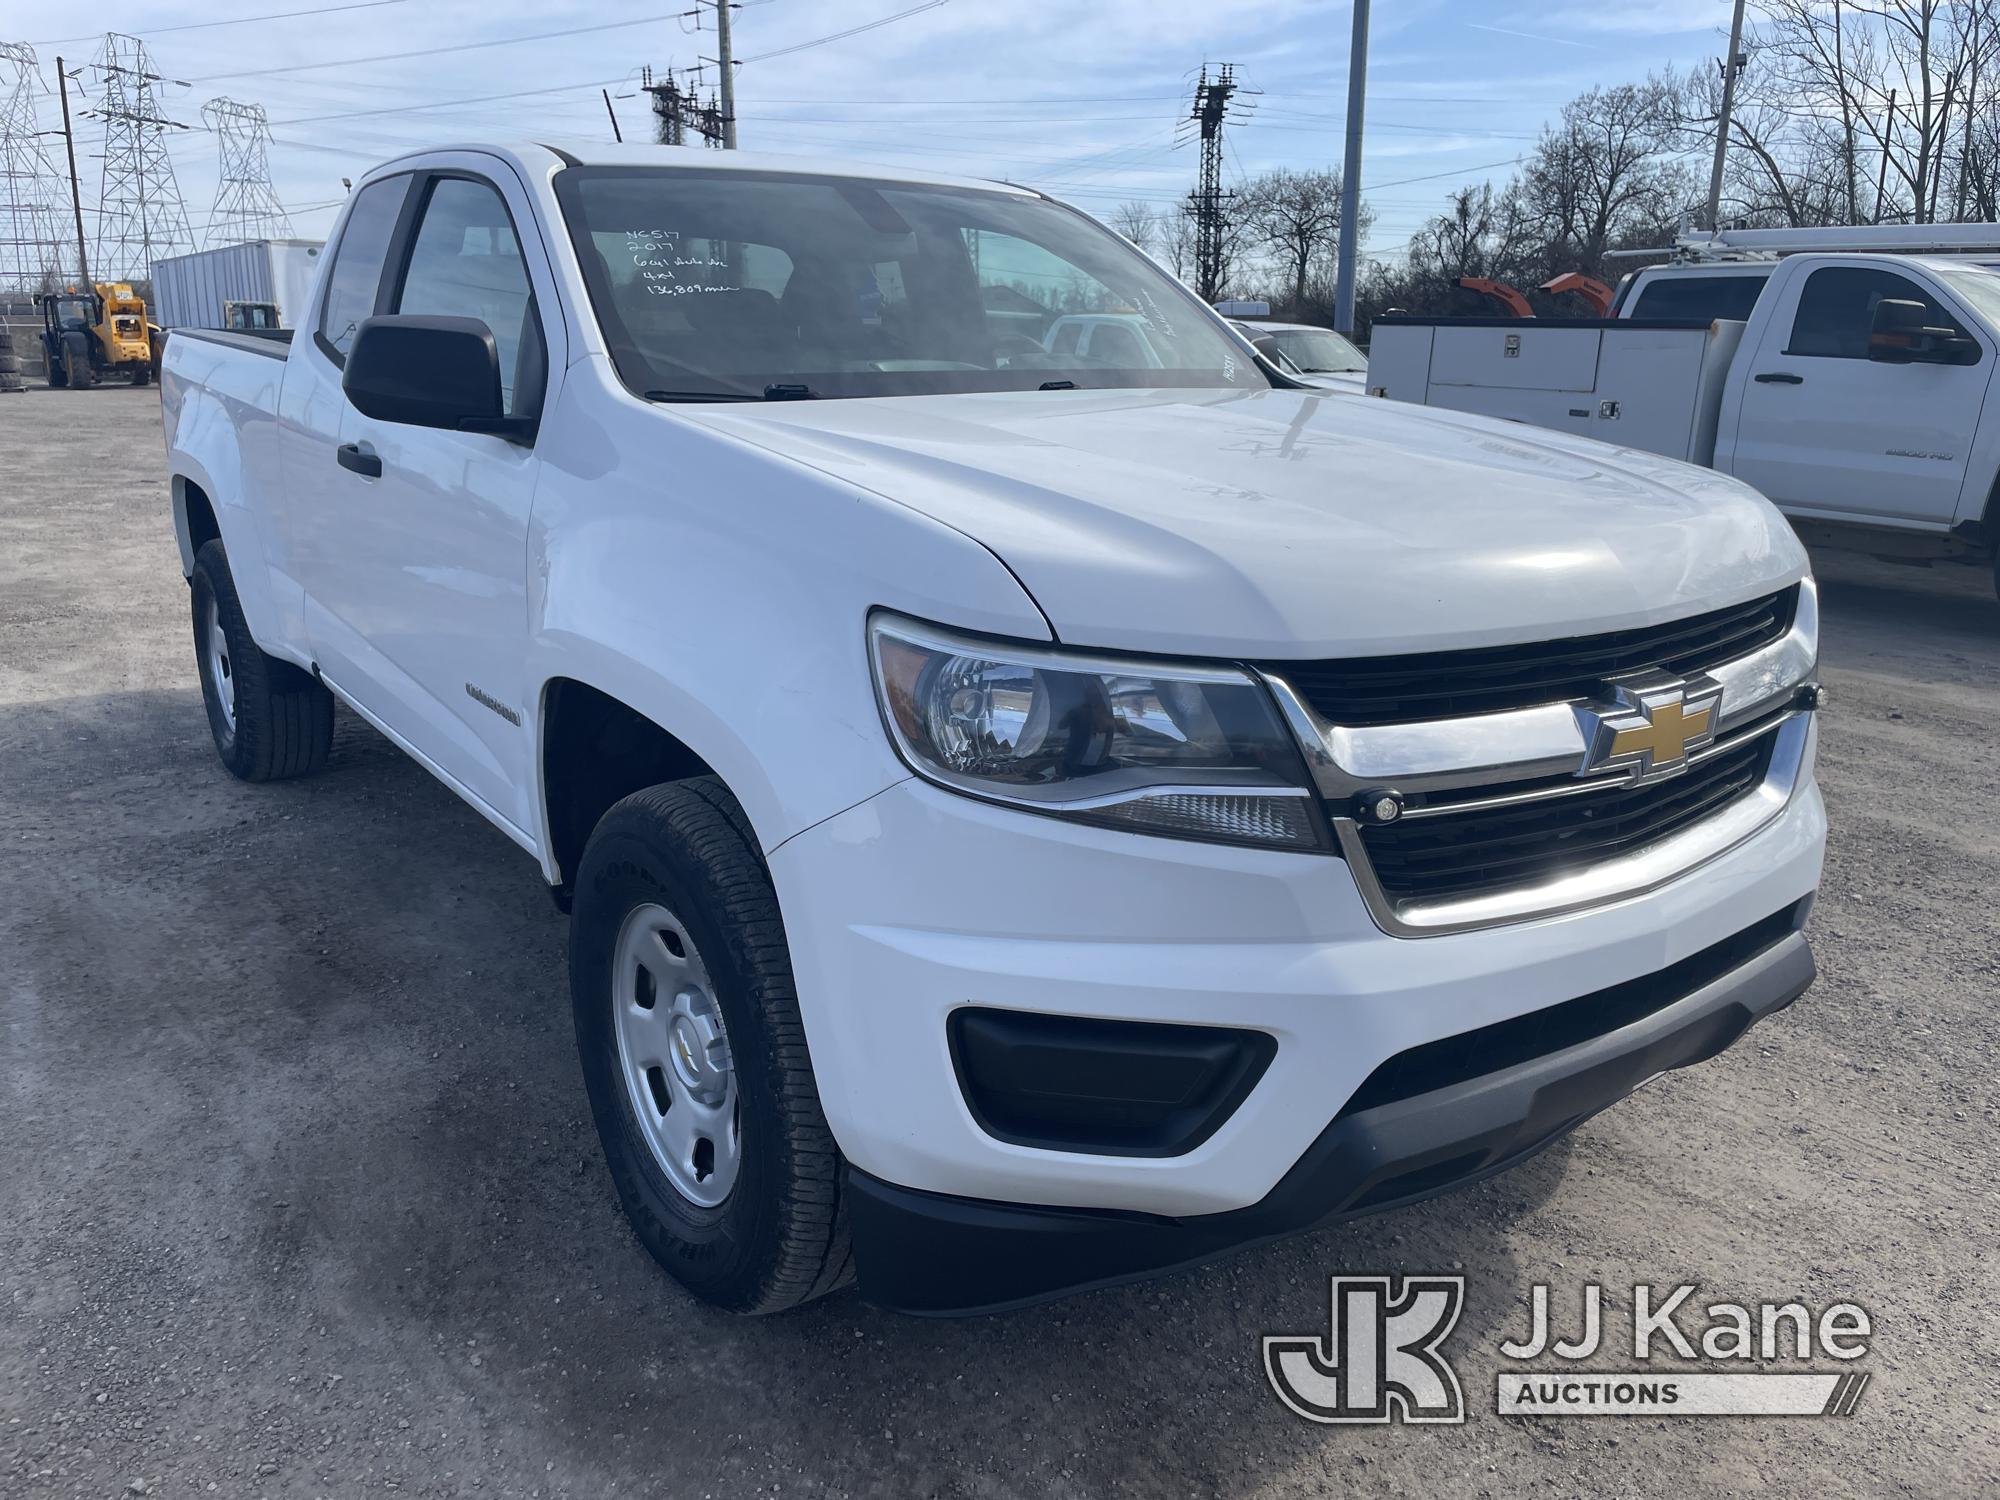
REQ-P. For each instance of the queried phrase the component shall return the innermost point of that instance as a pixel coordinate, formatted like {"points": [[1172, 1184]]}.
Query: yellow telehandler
{"points": [[100, 331]]}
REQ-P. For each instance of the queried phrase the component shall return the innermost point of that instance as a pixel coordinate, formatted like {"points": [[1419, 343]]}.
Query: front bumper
{"points": [[936, 1254], [919, 902]]}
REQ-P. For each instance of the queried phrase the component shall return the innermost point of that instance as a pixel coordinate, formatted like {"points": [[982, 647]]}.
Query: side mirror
{"points": [[430, 372], [1900, 334]]}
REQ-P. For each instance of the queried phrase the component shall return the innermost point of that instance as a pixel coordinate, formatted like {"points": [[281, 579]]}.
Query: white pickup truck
{"points": [[1855, 395], [1028, 820]]}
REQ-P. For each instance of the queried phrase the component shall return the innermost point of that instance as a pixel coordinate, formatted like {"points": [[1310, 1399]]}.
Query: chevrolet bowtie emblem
{"points": [[1651, 724]]}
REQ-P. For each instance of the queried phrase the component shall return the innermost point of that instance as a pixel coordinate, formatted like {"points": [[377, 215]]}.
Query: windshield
{"points": [[713, 283], [1980, 288], [1319, 351]]}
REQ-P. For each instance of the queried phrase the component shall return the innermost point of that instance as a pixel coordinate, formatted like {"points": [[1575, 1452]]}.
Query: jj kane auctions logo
{"points": [[1380, 1359]]}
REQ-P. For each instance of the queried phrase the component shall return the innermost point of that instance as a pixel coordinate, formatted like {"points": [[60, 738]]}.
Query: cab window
{"points": [[1837, 310], [465, 262]]}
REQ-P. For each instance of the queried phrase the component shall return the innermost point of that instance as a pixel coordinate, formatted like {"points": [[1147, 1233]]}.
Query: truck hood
{"points": [[1294, 524]]}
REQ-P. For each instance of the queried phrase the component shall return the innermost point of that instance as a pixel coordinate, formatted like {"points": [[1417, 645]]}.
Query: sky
{"points": [[1086, 100]]}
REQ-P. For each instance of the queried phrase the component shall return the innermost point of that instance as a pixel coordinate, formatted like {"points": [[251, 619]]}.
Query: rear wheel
{"points": [[269, 719], [58, 376], [142, 374], [687, 1025], [76, 359]]}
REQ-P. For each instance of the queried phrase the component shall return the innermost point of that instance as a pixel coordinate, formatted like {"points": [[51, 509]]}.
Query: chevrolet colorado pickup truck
{"points": [[1028, 819]]}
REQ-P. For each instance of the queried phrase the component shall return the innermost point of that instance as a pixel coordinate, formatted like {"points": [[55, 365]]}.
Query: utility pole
{"points": [[1350, 179], [1882, 172], [616, 134], [726, 61], [676, 110], [1732, 65], [75, 192], [1211, 109]]}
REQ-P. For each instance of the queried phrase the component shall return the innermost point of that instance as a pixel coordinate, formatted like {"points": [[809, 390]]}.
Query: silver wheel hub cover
{"points": [[673, 1056]]}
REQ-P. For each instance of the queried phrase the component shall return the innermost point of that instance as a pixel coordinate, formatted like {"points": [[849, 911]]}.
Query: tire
{"points": [[269, 719], [58, 376], [142, 374], [778, 1236], [76, 360]]}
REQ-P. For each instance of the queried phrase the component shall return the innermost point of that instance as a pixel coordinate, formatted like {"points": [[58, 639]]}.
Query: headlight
{"points": [[1185, 751]]}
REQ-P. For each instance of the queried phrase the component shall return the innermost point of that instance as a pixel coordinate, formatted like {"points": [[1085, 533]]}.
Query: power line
{"points": [[282, 15], [504, 41], [837, 36], [406, 109], [1485, 166]]}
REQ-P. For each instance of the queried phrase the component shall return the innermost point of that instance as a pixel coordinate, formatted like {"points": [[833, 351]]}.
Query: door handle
{"points": [[1778, 377], [350, 456]]}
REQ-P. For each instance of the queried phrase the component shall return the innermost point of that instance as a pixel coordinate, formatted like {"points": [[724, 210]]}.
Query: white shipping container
{"points": [[192, 291]]}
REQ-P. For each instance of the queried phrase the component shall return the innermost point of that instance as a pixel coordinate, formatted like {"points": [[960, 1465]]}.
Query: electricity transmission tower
{"points": [[140, 215], [246, 206], [31, 231], [1208, 203], [677, 110]]}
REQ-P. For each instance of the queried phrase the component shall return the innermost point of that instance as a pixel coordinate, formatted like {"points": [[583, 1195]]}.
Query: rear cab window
{"points": [[1699, 299]]}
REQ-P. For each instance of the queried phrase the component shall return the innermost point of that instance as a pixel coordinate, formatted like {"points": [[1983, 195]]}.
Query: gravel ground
{"points": [[299, 1195]]}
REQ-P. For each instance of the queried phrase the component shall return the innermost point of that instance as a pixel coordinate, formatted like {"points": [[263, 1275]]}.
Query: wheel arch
{"points": [[195, 520], [596, 749]]}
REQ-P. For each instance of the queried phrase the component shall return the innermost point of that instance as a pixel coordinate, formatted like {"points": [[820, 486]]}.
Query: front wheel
{"points": [[269, 720], [688, 1029]]}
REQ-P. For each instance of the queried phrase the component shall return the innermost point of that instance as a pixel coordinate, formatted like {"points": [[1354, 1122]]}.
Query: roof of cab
{"points": [[540, 155]]}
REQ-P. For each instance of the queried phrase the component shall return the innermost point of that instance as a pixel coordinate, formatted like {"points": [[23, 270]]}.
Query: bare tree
{"points": [[1607, 172], [1296, 217], [1176, 246], [1137, 220]]}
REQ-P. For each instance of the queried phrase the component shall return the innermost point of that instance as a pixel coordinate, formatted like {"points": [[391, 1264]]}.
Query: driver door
{"points": [[1824, 429], [419, 612]]}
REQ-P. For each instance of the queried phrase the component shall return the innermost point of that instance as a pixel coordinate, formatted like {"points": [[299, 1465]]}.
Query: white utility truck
{"points": [[1854, 395], [1028, 819]]}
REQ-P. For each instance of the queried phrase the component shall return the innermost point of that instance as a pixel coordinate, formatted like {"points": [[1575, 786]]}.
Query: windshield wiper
{"points": [[1057, 385], [699, 396], [790, 393]]}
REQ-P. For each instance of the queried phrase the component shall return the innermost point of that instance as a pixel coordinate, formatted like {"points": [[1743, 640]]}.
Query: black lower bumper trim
{"points": [[931, 1253]]}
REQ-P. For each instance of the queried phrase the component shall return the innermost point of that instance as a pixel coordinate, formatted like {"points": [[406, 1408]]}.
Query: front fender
{"points": [[723, 593]]}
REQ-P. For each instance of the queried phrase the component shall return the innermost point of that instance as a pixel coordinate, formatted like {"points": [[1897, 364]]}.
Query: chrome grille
{"points": [[1452, 684], [1511, 807], [1436, 852]]}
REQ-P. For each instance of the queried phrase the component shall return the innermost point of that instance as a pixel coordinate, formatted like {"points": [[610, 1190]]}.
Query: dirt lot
{"points": [[299, 1196]]}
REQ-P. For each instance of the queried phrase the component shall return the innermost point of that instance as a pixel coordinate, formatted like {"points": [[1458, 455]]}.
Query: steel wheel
{"points": [[673, 1054], [215, 661]]}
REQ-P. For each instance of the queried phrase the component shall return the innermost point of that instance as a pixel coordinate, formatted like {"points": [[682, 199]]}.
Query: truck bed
{"points": [[1647, 384]]}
